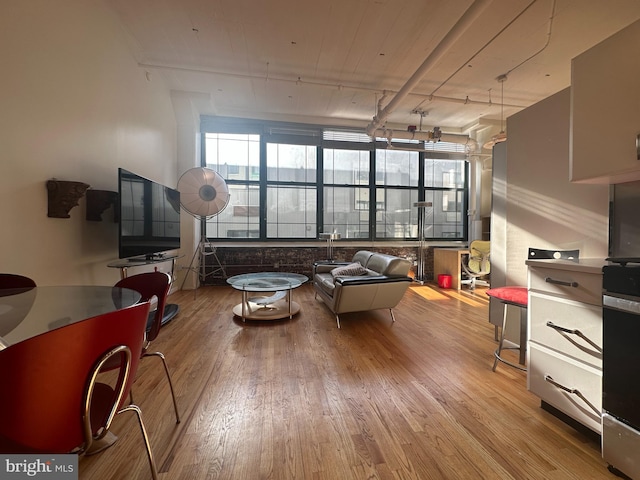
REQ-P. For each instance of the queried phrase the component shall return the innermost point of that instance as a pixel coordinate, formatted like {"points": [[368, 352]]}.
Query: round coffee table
{"points": [[266, 307]]}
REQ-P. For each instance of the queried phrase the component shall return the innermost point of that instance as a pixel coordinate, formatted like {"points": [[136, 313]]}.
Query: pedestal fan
{"points": [[203, 194]]}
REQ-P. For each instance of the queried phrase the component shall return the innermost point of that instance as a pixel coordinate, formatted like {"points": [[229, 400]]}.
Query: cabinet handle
{"points": [[572, 391], [561, 282], [576, 332]]}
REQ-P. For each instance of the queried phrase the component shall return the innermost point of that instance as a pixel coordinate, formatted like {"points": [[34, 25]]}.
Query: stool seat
{"points": [[518, 297]]}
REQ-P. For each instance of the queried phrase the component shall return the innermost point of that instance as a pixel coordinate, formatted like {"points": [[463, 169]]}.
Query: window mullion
{"points": [[263, 188], [372, 195], [320, 191]]}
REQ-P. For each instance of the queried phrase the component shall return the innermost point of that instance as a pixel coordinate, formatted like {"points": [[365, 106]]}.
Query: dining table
{"points": [[31, 311]]}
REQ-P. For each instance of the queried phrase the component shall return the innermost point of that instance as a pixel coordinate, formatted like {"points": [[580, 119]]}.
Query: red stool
{"points": [[518, 297]]}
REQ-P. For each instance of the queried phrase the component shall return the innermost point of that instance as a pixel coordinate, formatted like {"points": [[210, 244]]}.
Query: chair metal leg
{"points": [[166, 369], [521, 347], [152, 463], [499, 350], [338, 320], [393, 319], [523, 336]]}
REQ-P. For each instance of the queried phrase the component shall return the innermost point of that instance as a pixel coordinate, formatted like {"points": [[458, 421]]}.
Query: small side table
{"points": [[272, 307], [330, 237], [448, 261]]}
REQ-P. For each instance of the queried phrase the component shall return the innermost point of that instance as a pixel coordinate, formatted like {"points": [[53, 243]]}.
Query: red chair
{"points": [[12, 280], [51, 401], [149, 285]]}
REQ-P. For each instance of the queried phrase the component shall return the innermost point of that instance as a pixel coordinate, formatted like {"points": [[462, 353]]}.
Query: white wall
{"points": [[187, 111], [74, 105], [544, 209]]}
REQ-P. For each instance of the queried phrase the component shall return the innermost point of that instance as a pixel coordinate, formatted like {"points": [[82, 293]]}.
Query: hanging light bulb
{"points": [[502, 136]]}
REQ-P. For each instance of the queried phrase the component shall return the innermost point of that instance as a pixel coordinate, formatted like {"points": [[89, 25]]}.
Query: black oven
{"points": [[621, 366]]}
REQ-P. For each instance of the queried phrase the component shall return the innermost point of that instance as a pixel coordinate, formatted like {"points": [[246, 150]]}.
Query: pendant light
{"points": [[502, 136]]}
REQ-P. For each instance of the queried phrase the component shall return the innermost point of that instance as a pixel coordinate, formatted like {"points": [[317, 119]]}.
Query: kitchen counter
{"points": [[565, 339]]}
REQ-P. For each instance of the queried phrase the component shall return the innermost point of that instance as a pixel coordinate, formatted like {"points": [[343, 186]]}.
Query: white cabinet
{"points": [[605, 110], [565, 337]]}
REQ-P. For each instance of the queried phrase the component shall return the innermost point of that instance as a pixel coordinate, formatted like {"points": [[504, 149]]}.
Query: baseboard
{"points": [[594, 436]]}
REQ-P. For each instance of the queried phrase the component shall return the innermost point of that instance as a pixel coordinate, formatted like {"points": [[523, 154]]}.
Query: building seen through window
{"points": [[284, 187]]}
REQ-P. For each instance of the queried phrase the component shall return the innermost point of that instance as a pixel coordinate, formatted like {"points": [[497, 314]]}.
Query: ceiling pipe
{"points": [[426, 136], [340, 86], [472, 13]]}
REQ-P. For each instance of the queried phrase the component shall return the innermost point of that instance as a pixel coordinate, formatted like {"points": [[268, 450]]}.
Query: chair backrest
{"points": [[45, 380], [543, 254], [479, 253], [12, 280], [149, 285]]}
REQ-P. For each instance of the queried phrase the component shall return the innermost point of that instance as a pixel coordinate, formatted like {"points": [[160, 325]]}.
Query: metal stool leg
{"points": [[523, 336], [523, 340], [499, 349]]}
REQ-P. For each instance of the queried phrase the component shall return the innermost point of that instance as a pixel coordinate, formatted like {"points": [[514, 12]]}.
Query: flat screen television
{"points": [[149, 217]]}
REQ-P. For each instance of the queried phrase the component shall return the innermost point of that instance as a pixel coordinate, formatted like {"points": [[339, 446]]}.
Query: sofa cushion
{"points": [[353, 269], [389, 265], [325, 283], [362, 257]]}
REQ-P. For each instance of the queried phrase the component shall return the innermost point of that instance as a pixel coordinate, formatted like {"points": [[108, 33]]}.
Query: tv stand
{"points": [[170, 309], [145, 259]]}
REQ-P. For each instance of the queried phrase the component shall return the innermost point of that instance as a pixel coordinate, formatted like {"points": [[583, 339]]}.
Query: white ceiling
{"points": [[329, 62]]}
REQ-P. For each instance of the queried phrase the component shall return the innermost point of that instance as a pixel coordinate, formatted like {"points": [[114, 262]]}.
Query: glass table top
{"points": [[27, 312], [267, 281]]}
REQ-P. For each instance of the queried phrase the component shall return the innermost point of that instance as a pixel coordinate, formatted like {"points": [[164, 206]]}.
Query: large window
{"points": [[296, 182], [347, 198], [445, 181], [397, 181], [291, 191], [237, 158]]}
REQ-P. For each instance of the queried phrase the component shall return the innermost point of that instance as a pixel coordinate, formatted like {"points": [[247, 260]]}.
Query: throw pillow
{"points": [[350, 270]]}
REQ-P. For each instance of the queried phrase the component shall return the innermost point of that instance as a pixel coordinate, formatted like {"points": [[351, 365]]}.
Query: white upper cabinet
{"points": [[605, 110]]}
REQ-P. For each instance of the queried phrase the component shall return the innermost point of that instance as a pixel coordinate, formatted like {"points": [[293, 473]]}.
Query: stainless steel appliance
{"points": [[621, 366]]}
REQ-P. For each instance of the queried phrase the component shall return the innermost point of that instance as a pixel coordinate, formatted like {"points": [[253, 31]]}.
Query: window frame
{"points": [[313, 135]]}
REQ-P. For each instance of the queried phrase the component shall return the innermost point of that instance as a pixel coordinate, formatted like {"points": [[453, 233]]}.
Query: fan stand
{"points": [[204, 250], [420, 270], [204, 194]]}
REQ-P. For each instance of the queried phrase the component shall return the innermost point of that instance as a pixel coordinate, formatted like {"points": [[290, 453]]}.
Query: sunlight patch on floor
{"points": [[428, 292], [433, 293]]}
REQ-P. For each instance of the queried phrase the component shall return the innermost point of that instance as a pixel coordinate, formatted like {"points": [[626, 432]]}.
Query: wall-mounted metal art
{"points": [[63, 196], [98, 201]]}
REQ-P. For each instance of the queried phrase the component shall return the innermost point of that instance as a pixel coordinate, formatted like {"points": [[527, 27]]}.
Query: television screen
{"points": [[149, 217]]}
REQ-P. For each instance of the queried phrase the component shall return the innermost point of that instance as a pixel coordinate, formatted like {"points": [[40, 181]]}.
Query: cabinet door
{"points": [[570, 386], [605, 109], [572, 285], [571, 328]]}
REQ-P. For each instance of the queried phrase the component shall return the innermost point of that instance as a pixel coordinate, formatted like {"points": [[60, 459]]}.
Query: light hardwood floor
{"points": [[301, 399]]}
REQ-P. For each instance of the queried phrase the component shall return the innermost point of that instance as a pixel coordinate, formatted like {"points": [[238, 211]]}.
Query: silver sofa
{"points": [[371, 281]]}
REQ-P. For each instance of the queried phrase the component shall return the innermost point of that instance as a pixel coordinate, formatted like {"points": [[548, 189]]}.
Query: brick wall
{"points": [[237, 260]]}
